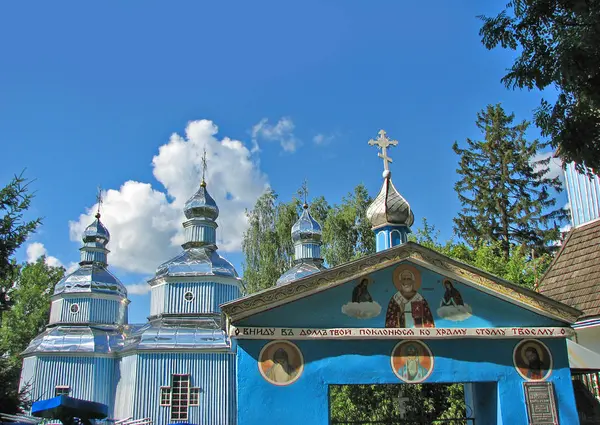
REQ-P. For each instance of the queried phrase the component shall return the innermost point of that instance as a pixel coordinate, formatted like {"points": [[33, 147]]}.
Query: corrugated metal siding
{"points": [[125, 378], [214, 373], [157, 300], [90, 378], [200, 233], [207, 297], [92, 310]]}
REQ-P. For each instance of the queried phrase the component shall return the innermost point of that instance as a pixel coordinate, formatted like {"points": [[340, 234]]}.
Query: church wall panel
{"points": [[125, 379], [28, 373], [207, 297], [214, 373]]}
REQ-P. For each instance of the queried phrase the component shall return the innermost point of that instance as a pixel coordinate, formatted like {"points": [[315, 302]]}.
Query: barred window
{"points": [[194, 396], [165, 396], [61, 390], [180, 394]]}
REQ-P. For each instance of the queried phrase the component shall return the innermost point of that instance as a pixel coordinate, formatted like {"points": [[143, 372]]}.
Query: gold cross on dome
{"points": [[382, 142]]}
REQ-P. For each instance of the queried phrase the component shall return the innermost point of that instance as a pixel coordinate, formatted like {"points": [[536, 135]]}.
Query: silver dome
{"points": [[389, 207], [91, 278], [201, 205], [77, 339], [306, 228], [96, 231]]}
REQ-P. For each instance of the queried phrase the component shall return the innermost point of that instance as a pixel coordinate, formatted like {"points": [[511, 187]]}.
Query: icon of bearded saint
{"points": [[412, 369], [408, 308]]}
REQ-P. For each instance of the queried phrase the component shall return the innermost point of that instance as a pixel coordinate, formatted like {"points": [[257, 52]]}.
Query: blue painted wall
{"points": [[368, 362], [326, 307]]}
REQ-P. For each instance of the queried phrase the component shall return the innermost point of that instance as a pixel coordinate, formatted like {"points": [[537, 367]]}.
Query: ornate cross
{"points": [[382, 142], [304, 191], [204, 167], [99, 199]]}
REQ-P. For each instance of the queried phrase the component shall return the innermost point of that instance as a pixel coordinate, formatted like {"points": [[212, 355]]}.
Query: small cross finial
{"points": [[383, 142], [304, 192], [204, 167], [99, 199]]}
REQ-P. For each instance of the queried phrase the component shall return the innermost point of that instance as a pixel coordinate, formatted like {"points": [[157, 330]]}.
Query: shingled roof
{"points": [[573, 277]]}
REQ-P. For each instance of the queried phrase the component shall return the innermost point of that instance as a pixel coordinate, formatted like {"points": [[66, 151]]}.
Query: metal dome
{"points": [[201, 205], [389, 207], [91, 278], [201, 261], [96, 232], [306, 228]]}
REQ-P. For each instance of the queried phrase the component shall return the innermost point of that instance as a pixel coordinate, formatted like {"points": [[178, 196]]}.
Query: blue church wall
{"points": [[213, 373], [89, 310], [488, 363], [480, 309], [207, 296], [87, 377]]}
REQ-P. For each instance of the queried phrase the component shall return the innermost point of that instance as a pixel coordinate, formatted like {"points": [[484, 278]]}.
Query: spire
{"points": [[390, 214], [201, 211], [306, 235], [95, 238]]}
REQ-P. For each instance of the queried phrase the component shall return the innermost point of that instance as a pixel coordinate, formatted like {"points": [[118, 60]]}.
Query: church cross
{"points": [[304, 191], [382, 142], [99, 200], [204, 167]]}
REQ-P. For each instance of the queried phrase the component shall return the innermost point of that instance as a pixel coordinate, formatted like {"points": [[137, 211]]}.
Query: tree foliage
{"points": [[504, 191], [15, 199], [28, 317], [559, 46]]}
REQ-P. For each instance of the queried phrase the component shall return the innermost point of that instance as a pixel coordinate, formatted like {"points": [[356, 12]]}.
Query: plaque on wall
{"points": [[541, 404]]}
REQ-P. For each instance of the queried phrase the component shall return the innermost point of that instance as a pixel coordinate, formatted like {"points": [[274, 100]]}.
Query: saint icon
{"points": [[412, 361], [533, 360], [280, 362], [361, 305], [408, 308], [452, 306]]}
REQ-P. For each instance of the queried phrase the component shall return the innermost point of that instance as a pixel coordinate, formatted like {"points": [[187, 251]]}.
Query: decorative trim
{"points": [[471, 276], [252, 332]]}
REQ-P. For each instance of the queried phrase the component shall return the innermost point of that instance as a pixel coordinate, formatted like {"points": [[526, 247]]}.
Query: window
{"points": [[194, 396], [61, 390], [74, 308], [180, 392], [188, 296], [165, 396], [395, 238]]}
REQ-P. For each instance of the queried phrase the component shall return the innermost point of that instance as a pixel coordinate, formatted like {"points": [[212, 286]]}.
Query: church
{"points": [[208, 355]]}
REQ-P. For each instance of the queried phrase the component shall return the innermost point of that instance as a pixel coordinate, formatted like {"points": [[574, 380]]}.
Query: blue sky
{"points": [[91, 94]]}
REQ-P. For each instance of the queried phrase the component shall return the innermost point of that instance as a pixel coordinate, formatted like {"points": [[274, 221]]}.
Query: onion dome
{"points": [[92, 274], [389, 207], [199, 256], [306, 229], [201, 205], [306, 235]]}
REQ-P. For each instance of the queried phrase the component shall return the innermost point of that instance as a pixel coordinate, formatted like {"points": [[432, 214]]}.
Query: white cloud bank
{"points": [[282, 132], [145, 223], [554, 165], [36, 249]]}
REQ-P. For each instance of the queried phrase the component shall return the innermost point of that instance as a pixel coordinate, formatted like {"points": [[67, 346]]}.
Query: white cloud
{"points": [[554, 165], [138, 289], [36, 249], [282, 132], [145, 223], [321, 139]]}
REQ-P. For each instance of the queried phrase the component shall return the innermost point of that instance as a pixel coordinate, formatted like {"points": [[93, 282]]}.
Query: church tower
{"points": [[75, 355], [180, 366], [389, 213], [306, 235]]}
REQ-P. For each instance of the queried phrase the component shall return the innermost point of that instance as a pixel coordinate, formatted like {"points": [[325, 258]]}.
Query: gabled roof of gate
{"points": [[410, 251]]}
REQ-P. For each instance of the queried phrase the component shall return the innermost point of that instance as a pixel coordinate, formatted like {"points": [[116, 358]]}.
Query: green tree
{"points": [[559, 46], [347, 233], [15, 199], [503, 190], [28, 317]]}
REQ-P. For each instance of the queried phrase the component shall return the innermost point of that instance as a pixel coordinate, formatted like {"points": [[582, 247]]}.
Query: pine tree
{"points": [[504, 190]]}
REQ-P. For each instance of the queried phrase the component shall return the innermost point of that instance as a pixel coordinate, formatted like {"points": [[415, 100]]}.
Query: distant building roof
{"points": [[573, 277]]}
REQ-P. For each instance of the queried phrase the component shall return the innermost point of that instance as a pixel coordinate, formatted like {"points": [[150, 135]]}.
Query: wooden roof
{"points": [[573, 277]]}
